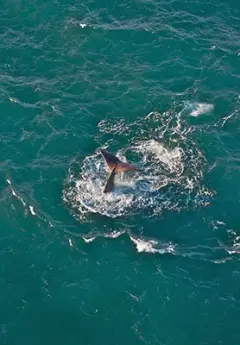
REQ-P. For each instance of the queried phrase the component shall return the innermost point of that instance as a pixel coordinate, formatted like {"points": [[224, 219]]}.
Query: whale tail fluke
{"points": [[115, 166], [110, 182], [110, 159]]}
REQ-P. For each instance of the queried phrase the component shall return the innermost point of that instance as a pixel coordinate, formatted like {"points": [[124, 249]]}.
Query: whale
{"points": [[115, 166]]}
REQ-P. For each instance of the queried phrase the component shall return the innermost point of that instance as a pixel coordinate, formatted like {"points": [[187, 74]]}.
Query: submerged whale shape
{"points": [[115, 166]]}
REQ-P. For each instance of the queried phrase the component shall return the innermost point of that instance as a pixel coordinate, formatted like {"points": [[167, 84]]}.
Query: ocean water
{"points": [[157, 260]]}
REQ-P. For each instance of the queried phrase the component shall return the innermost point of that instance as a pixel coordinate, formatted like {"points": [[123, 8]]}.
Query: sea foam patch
{"points": [[197, 109]]}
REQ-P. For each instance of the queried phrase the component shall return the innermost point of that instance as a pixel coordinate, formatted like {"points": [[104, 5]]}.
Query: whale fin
{"points": [[110, 181]]}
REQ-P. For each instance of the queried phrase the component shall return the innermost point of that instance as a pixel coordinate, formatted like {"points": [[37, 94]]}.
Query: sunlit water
{"points": [[155, 261]]}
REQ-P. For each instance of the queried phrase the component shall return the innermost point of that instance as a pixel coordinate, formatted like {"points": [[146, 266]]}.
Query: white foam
{"points": [[200, 108], [21, 199], [220, 222], [142, 244], [108, 126], [88, 240], [15, 194], [234, 251], [32, 211], [226, 118], [151, 246], [73, 22], [114, 234], [155, 151], [236, 244], [13, 100]]}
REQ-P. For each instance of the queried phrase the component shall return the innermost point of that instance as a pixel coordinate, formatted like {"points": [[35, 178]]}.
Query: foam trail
{"points": [[112, 235], [141, 244]]}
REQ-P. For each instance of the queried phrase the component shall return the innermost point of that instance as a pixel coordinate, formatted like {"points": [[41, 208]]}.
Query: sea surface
{"points": [[156, 261]]}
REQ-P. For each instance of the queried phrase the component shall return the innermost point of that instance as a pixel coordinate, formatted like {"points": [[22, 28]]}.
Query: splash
{"points": [[172, 170]]}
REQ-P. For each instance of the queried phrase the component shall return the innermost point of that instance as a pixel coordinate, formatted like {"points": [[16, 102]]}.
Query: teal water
{"points": [[157, 260]]}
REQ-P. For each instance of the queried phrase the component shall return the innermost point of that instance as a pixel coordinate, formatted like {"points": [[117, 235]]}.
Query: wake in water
{"points": [[142, 244], [172, 168]]}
